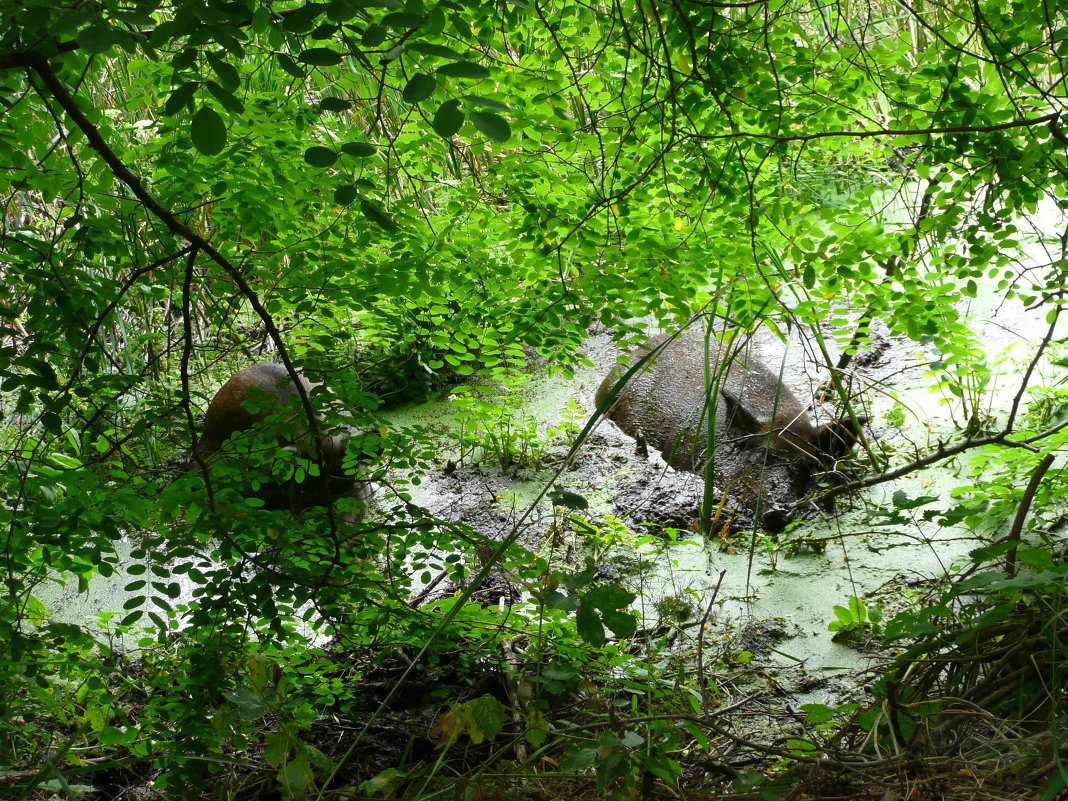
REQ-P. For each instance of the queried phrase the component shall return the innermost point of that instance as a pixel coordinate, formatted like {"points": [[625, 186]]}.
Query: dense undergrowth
{"points": [[401, 197]]}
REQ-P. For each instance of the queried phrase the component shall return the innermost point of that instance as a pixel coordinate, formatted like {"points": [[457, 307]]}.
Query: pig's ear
{"points": [[744, 417], [837, 438]]}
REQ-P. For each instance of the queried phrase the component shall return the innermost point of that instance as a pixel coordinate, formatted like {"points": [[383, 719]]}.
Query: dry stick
{"points": [[1021, 514]]}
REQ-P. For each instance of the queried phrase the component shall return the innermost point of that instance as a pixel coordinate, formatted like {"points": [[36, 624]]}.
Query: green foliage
{"points": [[997, 477], [596, 606], [402, 195], [968, 646], [620, 761], [479, 718], [857, 616], [491, 424], [599, 539]]}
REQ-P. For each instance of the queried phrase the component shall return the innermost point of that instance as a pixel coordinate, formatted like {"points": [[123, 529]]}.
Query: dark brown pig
{"points": [[250, 396], [765, 443]]}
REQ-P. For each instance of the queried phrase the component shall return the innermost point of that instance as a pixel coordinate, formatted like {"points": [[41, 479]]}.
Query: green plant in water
{"points": [[491, 425], [599, 539], [574, 418], [856, 616]]}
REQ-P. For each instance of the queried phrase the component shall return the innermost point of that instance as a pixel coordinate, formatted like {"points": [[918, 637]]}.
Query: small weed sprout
{"points": [[574, 417], [600, 539], [856, 617]]}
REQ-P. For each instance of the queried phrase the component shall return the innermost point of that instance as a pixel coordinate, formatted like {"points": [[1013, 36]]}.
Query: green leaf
{"points": [[185, 59], [334, 104], [554, 599], [610, 597], [419, 88], [381, 782], [435, 50], [226, 100], [325, 31], [622, 624], [463, 69], [568, 499], [319, 156], [226, 72], [486, 102], [208, 132], [589, 626], [302, 19], [488, 716], [287, 63], [448, 119], [579, 759], [359, 149], [247, 703], [110, 735], [132, 618], [96, 38], [402, 19], [377, 215], [320, 57], [494, 127], [373, 36], [342, 10], [901, 500], [344, 195], [70, 22], [180, 98]]}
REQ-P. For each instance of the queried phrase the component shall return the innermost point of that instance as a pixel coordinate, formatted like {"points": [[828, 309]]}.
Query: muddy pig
{"points": [[766, 444], [250, 396]]}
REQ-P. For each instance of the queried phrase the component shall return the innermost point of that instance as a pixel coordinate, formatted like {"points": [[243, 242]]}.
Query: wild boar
{"points": [[765, 444], [250, 396]]}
